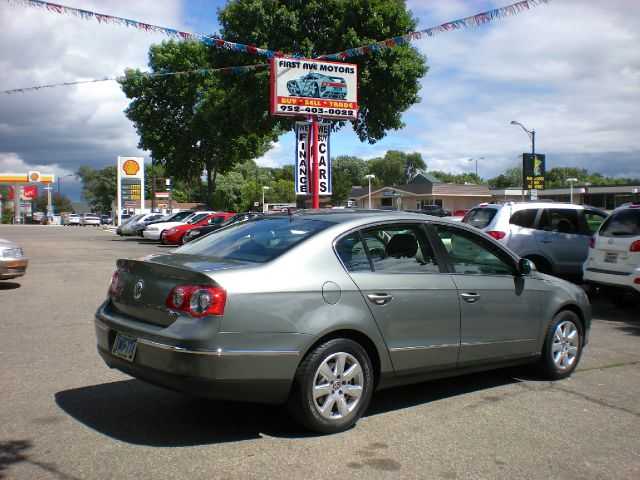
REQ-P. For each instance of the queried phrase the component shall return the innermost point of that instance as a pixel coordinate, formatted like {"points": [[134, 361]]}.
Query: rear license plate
{"points": [[610, 257], [124, 346]]}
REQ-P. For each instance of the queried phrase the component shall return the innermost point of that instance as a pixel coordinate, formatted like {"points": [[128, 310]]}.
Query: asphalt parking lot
{"points": [[65, 415]]}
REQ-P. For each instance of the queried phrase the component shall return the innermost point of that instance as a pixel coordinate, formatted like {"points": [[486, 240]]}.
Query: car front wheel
{"points": [[332, 387], [562, 347]]}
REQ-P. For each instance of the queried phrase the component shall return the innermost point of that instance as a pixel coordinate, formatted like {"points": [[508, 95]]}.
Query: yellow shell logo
{"points": [[34, 176], [131, 167]]}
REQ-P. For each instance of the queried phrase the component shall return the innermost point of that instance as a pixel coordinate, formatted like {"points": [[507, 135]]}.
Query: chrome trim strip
{"points": [[472, 344], [424, 347], [219, 352], [101, 325]]}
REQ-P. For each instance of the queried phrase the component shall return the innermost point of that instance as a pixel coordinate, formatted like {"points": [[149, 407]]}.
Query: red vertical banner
{"points": [[315, 204]]}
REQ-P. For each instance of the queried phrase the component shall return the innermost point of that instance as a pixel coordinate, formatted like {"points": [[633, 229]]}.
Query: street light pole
{"points": [[571, 180], [264, 188], [70, 175], [532, 136], [476, 160], [369, 177]]}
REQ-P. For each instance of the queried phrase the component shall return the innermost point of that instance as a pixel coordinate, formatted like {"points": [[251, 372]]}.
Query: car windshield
{"points": [[480, 217], [623, 223], [197, 217], [258, 241]]}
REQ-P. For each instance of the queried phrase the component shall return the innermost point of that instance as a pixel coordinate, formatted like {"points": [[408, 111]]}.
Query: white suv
{"points": [[613, 264], [554, 236]]}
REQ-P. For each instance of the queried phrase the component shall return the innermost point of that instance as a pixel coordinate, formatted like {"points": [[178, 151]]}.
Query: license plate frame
{"points": [[610, 257], [125, 346]]}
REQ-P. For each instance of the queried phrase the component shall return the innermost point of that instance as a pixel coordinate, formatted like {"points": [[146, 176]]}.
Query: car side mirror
{"points": [[525, 267]]}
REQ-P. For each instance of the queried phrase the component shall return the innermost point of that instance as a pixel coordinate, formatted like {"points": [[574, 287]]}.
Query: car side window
{"points": [[352, 252], [560, 220], [594, 219], [471, 254], [388, 249], [524, 218], [400, 249]]}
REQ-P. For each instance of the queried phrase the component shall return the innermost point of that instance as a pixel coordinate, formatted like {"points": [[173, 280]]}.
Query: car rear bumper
{"points": [[221, 372], [613, 279], [13, 268], [151, 235]]}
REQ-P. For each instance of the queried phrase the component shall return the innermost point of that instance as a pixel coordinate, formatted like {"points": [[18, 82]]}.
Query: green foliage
{"points": [[388, 81], [99, 187], [61, 204], [512, 177]]}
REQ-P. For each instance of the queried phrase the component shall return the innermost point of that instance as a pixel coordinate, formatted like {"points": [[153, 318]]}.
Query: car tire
{"points": [[332, 387], [181, 241], [314, 91], [562, 346]]}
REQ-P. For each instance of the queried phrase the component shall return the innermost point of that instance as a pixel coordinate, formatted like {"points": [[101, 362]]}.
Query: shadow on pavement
{"points": [[16, 451], [134, 412], [627, 319], [5, 285]]}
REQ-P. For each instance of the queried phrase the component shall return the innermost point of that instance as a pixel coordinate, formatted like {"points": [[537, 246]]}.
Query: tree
{"points": [[346, 171], [512, 177], [99, 187], [388, 80], [61, 204], [390, 169], [413, 164], [194, 123]]}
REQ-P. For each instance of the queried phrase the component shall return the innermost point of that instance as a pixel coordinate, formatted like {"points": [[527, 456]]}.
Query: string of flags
{"points": [[147, 27], [468, 22], [200, 71]]}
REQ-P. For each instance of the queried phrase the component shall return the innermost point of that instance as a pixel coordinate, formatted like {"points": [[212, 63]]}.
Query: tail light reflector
{"points": [[497, 234], [197, 300], [592, 242], [635, 246], [114, 289]]}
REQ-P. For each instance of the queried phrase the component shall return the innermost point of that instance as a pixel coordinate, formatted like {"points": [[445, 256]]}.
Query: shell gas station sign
{"points": [[130, 184]]}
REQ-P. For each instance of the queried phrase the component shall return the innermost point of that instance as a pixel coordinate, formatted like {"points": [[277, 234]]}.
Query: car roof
{"points": [[356, 215]]}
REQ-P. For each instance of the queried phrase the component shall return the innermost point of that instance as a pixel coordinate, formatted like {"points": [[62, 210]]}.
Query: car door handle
{"points": [[380, 298], [470, 297]]}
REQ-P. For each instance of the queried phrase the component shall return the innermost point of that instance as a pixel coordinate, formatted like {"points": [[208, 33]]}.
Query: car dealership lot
{"points": [[64, 414]]}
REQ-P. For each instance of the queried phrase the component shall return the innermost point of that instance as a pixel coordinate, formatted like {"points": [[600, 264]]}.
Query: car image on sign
{"points": [[317, 85]]}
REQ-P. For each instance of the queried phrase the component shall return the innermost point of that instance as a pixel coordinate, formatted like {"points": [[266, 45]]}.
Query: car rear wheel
{"points": [[332, 387], [562, 347]]}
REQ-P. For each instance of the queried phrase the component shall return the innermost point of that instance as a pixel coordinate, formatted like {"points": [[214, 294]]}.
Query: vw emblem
{"points": [[610, 241], [137, 290]]}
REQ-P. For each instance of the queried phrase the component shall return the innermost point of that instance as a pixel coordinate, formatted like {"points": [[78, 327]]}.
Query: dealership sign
{"points": [[304, 146], [301, 87]]}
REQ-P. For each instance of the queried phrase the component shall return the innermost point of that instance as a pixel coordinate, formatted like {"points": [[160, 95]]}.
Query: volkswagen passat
{"points": [[319, 309]]}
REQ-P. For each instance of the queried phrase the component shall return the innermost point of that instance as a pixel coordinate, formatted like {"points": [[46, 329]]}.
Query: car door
{"points": [[562, 238], [499, 310], [412, 298]]}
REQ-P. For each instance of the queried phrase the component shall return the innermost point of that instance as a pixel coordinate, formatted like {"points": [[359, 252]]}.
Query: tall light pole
{"points": [[532, 136], [264, 189], [59, 178], [369, 176], [476, 160], [571, 180]]}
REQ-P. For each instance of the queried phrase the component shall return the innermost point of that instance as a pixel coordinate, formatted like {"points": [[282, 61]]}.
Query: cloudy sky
{"points": [[569, 69]]}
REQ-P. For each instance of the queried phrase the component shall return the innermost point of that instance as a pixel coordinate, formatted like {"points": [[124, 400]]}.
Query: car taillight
{"points": [[114, 290], [197, 300], [635, 246], [497, 234], [592, 242]]}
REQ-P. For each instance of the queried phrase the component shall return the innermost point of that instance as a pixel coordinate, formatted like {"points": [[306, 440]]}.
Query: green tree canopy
{"points": [[99, 187]]}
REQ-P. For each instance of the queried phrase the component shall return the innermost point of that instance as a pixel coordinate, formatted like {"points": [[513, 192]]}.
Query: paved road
{"points": [[65, 415]]}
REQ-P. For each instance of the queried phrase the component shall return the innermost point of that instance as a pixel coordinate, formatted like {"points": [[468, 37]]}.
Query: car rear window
{"points": [[480, 217], [259, 240], [623, 223]]}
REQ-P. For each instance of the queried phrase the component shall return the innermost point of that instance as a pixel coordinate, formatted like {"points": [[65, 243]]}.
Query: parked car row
{"points": [[82, 220], [574, 241]]}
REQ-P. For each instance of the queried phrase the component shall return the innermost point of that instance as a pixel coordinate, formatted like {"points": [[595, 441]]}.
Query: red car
{"points": [[175, 235]]}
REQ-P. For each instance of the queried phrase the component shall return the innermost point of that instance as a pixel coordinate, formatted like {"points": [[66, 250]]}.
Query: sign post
{"points": [[314, 89]]}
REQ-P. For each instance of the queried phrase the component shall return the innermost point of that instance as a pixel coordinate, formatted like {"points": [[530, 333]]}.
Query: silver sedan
{"points": [[13, 263], [317, 310]]}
